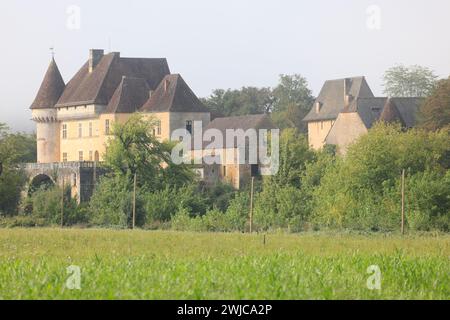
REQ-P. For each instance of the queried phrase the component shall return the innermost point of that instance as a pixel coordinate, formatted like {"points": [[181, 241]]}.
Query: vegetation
{"points": [[15, 148], [435, 112], [175, 265], [288, 102], [311, 191], [412, 81]]}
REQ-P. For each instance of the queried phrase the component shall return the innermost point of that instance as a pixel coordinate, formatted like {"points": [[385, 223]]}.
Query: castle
{"points": [[346, 109], [74, 120]]}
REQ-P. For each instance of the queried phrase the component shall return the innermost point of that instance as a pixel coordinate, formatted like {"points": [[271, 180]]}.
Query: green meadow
{"points": [[124, 264]]}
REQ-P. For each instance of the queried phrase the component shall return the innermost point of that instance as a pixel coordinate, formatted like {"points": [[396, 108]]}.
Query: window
{"points": [[158, 127], [64, 157], [90, 129], [107, 126], [80, 130], [189, 126], [80, 155], [224, 171], [64, 131], [91, 155]]}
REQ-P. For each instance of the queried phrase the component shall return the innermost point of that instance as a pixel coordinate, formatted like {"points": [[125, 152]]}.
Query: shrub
{"points": [[46, 205], [362, 190], [112, 203]]}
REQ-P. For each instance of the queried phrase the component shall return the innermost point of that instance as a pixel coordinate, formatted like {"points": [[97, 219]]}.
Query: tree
{"points": [[135, 150], [435, 112], [292, 101], [294, 155], [15, 148], [247, 100], [412, 81]]}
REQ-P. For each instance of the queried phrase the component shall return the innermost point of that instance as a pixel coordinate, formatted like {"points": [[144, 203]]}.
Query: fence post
{"points": [[403, 202]]}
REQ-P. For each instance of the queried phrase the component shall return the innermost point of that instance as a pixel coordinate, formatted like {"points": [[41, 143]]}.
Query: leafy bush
{"points": [[45, 204], [362, 190], [112, 204]]}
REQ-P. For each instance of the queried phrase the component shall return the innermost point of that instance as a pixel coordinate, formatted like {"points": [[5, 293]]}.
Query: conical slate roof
{"points": [[51, 88]]}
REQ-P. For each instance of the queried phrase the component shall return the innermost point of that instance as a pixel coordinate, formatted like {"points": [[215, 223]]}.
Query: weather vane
{"points": [[52, 51]]}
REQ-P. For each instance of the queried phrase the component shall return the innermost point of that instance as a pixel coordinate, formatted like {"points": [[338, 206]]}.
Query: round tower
{"points": [[44, 114]]}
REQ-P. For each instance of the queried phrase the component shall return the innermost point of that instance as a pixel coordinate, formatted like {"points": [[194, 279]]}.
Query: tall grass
{"points": [[176, 265]]}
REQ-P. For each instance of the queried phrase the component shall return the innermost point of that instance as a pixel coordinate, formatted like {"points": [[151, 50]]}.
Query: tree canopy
{"points": [[435, 112], [288, 102], [412, 81]]}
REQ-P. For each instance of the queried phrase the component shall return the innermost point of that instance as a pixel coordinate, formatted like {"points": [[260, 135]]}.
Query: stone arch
{"points": [[40, 181]]}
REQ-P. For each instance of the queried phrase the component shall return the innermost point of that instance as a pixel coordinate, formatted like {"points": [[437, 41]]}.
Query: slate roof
{"points": [[174, 95], [406, 108], [51, 88], [99, 85], [389, 110], [255, 121], [332, 97], [369, 109], [129, 96]]}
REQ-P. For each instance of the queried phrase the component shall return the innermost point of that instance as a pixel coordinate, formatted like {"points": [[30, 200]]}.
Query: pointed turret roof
{"points": [[51, 88], [173, 95]]}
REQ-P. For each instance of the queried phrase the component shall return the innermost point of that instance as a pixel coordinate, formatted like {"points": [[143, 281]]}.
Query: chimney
{"points": [[317, 105], [348, 98], [166, 85], [150, 93], [95, 55]]}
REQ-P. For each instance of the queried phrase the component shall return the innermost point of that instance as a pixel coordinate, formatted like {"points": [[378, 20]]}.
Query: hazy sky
{"points": [[221, 44]]}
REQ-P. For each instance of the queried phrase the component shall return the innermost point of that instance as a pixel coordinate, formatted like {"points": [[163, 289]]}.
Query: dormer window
{"points": [[189, 126], [376, 109]]}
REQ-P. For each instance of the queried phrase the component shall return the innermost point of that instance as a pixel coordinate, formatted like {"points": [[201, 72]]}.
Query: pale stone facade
{"points": [[317, 133], [74, 121]]}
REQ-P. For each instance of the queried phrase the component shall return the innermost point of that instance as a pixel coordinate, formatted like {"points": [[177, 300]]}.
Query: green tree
{"points": [[15, 148], [292, 101], [135, 150], [294, 155], [412, 81], [362, 190], [435, 112], [247, 100]]}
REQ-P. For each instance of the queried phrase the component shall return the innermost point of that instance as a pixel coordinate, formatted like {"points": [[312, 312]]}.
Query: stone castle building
{"points": [[346, 108], [74, 120]]}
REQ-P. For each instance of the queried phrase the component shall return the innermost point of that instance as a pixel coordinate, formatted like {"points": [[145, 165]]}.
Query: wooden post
{"points": [[403, 202], [62, 203], [251, 205], [94, 182], [134, 202]]}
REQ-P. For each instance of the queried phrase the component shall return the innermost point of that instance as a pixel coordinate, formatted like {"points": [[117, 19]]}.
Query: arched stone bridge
{"points": [[80, 176]]}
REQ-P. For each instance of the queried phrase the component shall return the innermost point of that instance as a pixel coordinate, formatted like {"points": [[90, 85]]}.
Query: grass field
{"points": [[175, 265]]}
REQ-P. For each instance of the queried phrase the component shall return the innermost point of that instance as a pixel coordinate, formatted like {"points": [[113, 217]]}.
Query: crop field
{"points": [[114, 264]]}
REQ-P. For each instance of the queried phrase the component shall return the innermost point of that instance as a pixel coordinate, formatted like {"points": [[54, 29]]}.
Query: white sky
{"points": [[220, 43]]}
